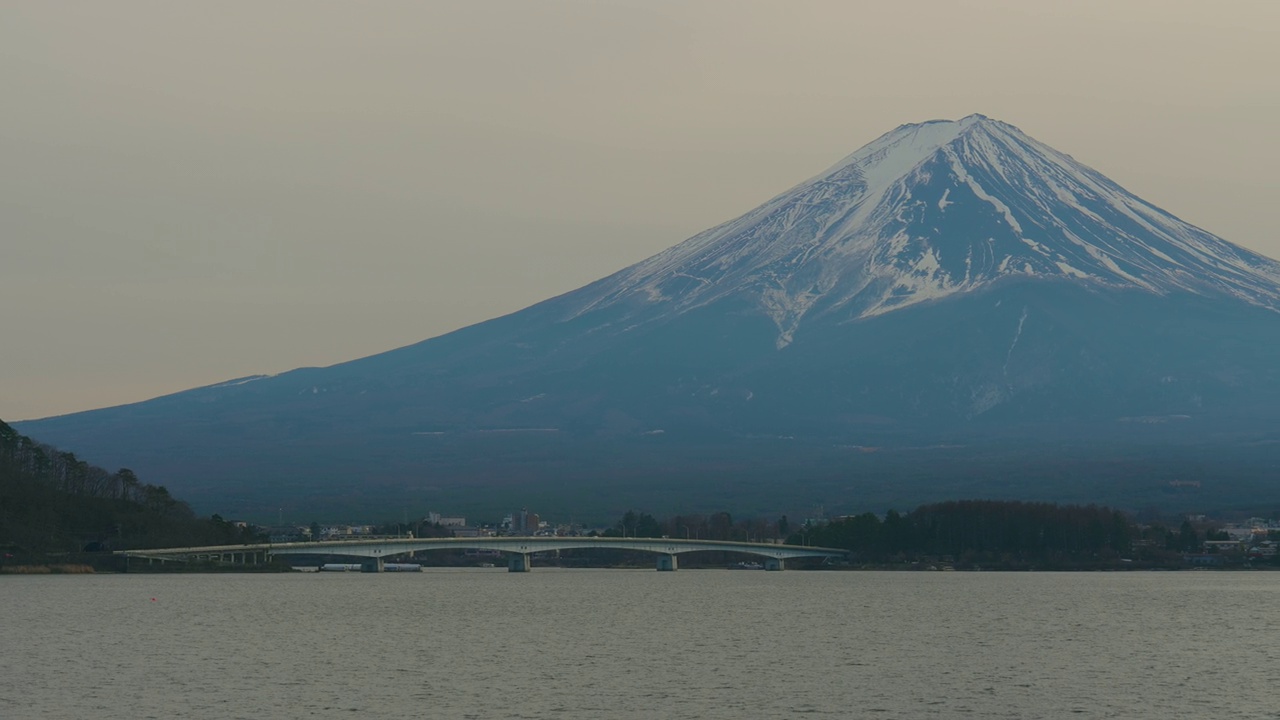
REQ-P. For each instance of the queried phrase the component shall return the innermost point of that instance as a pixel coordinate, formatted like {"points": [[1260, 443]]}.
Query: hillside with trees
{"points": [[55, 505]]}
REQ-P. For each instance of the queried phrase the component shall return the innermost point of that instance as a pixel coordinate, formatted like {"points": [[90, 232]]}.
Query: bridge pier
{"points": [[774, 564], [668, 563], [372, 565], [518, 562]]}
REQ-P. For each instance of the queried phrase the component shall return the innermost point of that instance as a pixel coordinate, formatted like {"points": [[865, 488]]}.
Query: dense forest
{"points": [[964, 534], [53, 504], [988, 533], [977, 530]]}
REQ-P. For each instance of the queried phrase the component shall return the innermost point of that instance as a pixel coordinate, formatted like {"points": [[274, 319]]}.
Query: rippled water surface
{"points": [[641, 644]]}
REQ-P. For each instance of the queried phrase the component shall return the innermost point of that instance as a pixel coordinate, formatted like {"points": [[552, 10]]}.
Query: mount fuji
{"points": [[955, 308]]}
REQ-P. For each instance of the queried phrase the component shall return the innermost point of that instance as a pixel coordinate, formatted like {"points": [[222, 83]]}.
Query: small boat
{"points": [[746, 566]]}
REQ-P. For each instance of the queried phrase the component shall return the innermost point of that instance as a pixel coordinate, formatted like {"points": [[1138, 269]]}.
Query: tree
{"points": [[127, 483], [636, 525], [720, 526], [1188, 540], [648, 526], [628, 524]]}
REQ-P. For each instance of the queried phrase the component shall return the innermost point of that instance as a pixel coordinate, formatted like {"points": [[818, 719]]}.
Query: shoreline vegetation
{"points": [[56, 569], [60, 515]]}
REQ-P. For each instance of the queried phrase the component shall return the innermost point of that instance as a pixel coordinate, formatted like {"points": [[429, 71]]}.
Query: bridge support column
{"points": [[668, 563], [372, 565], [518, 562], [774, 564]]}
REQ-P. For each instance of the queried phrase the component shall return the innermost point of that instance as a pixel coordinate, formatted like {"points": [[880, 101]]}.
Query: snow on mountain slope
{"points": [[927, 211]]}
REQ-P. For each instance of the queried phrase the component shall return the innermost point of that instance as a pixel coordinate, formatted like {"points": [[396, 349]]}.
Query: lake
{"points": [[554, 643]]}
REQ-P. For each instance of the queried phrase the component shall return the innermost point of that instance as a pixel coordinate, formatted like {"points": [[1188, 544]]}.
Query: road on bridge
{"points": [[519, 550]]}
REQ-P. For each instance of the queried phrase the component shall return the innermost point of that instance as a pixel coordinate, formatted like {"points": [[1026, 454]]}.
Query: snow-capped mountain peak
{"points": [[955, 296], [930, 210]]}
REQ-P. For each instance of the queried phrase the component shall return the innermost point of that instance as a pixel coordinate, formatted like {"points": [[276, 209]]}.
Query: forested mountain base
{"points": [[55, 506], [972, 534]]}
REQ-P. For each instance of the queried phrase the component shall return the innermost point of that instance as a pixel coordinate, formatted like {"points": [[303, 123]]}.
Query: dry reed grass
{"points": [[45, 569]]}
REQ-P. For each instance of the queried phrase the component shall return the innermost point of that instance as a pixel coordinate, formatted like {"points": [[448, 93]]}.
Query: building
{"points": [[524, 522]]}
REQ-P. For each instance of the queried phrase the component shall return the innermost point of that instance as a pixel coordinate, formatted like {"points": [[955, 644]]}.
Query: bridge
{"points": [[374, 552]]}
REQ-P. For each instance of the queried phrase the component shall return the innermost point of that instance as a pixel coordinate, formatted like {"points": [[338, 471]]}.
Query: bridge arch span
{"points": [[667, 549]]}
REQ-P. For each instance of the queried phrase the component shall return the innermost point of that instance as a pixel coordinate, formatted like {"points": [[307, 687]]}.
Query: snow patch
{"points": [[1009, 355], [1073, 272], [239, 381]]}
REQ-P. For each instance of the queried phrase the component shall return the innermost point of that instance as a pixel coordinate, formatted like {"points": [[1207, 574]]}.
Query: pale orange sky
{"points": [[195, 192]]}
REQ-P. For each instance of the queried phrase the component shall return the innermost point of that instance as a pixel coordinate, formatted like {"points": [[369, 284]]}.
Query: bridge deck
{"points": [[386, 547]]}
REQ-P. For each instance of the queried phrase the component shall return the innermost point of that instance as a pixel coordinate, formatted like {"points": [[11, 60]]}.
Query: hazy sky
{"points": [[192, 192]]}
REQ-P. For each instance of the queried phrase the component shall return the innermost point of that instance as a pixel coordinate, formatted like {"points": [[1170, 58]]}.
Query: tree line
{"points": [[996, 533], [966, 533], [53, 502], [716, 526], [981, 530]]}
